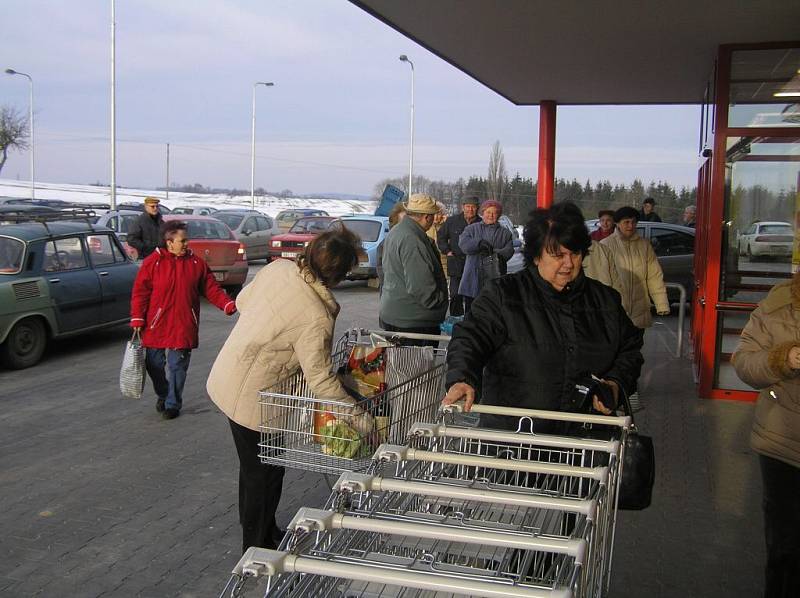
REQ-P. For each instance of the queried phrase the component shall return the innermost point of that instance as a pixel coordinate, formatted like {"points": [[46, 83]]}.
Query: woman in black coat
{"points": [[532, 336]]}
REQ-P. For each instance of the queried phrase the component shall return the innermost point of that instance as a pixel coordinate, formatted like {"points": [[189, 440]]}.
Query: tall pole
{"points": [[253, 146], [167, 197], [404, 58], [30, 118], [113, 112]]}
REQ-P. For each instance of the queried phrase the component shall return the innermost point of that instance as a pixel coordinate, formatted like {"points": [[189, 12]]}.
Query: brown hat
{"points": [[151, 201], [422, 203]]}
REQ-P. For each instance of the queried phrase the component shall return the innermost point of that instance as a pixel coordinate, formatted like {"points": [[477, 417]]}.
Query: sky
{"points": [[336, 120]]}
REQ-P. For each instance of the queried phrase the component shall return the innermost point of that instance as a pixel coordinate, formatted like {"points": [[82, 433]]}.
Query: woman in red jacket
{"points": [[165, 306]]}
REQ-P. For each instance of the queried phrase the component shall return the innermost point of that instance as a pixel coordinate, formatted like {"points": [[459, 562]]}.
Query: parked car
{"points": [[674, 247], [213, 241], [505, 222], [767, 239], [372, 230], [287, 218], [196, 210], [289, 245], [12, 213], [139, 207], [252, 228], [58, 278], [120, 221]]}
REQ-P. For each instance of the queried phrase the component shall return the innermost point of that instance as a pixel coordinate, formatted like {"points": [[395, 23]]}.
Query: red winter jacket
{"points": [[165, 301]]}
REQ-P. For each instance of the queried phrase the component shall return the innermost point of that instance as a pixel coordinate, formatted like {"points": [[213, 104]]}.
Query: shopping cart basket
{"points": [[293, 430]]}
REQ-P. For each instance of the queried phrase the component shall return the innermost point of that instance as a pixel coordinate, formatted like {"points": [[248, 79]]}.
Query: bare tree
{"points": [[13, 132], [496, 180]]}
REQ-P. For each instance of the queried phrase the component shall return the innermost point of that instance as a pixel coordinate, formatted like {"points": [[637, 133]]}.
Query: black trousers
{"points": [[781, 527], [456, 300], [260, 488], [416, 330]]}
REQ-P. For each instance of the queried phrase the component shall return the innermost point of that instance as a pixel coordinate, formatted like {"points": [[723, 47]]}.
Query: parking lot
{"points": [[101, 497]]}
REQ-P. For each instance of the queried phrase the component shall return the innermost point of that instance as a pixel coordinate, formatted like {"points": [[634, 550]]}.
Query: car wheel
{"points": [[24, 344]]}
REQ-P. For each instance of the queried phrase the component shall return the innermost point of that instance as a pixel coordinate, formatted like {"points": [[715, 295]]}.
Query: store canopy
{"points": [[583, 52]]}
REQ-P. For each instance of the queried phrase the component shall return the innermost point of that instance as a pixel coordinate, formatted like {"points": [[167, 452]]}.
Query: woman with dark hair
{"points": [[482, 239], [532, 336], [286, 322]]}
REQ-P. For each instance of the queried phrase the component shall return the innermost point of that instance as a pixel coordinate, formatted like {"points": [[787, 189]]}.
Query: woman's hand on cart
{"points": [[599, 406], [459, 391]]}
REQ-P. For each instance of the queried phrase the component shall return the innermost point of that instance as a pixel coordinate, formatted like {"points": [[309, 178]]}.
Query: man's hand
{"points": [[598, 406], [460, 390], [450, 254], [793, 358]]}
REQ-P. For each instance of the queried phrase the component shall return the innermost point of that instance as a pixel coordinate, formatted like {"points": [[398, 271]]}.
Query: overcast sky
{"points": [[337, 119]]}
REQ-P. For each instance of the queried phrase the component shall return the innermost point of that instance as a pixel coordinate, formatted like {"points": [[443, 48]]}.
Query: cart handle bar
{"points": [[388, 334], [621, 421], [259, 562], [395, 453], [487, 435], [358, 482], [319, 520]]}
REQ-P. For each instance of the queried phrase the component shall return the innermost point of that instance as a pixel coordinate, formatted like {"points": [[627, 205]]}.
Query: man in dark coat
{"points": [[145, 233], [447, 241], [648, 213]]}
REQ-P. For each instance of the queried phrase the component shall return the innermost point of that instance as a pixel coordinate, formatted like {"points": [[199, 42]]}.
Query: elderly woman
{"points": [[768, 358], [287, 319], [533, 335], [481, 239]]}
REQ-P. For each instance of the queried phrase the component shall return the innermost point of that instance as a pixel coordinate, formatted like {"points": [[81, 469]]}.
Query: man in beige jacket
{"points": [[640, 275]]}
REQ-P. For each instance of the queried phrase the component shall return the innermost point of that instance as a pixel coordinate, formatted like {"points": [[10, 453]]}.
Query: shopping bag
{"points": [[488, 269], [132, 372]]}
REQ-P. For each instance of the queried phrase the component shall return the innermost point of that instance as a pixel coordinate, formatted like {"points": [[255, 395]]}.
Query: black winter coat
{"points": [[145, 234], [533, 343], [447, 241]]}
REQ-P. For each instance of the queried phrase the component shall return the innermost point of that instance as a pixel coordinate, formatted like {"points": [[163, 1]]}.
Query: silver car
{"points": [[253, 229]]}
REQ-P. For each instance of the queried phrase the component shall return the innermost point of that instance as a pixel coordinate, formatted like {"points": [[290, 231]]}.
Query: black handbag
{"points": [[638, 467]]}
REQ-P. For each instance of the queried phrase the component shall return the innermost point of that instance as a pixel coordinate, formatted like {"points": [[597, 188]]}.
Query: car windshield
{"points": [[775, 229], [310, 225], [232, 220], [367, 230], [11, 251], [207, 229]]}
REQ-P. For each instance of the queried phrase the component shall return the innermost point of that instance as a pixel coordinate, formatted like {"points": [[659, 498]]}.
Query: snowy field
{"points": [[265, 203]]}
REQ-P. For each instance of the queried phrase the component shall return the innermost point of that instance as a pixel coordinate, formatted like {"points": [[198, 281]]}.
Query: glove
{"points": [[485, 247], [230, 309]]}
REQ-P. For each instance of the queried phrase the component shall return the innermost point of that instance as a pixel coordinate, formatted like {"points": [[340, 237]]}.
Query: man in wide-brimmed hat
{"points": [[145, 232], [414, 295]]}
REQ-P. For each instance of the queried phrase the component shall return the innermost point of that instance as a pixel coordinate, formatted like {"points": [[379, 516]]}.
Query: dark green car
{"points": [[58, 278]]}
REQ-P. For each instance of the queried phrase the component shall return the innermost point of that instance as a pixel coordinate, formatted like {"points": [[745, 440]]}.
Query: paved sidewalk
{"points": [[101, 497]]}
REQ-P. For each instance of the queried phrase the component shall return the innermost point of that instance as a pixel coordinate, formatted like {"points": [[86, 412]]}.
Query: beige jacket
{"points": [[285, 322], [599, 265], [760, 360], [640, 277]]}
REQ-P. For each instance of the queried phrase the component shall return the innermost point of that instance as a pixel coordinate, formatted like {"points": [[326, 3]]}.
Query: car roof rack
{"points": [[46, 216]]}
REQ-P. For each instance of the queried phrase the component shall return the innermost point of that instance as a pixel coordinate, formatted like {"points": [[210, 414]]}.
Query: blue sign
{"points": [[391, 195]]}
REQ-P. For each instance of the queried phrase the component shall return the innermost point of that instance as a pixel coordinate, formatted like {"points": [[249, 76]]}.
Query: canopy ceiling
{"points": [[588, 52]]}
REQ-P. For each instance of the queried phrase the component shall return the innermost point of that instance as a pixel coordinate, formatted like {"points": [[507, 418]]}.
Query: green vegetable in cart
{"points": [[340, 440]]}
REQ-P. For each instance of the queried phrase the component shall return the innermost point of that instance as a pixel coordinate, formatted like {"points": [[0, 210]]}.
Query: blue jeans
{"points": [[167, 369]]}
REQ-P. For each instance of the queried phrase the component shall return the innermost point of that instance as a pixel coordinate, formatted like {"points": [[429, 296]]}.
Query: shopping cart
{"points": [[293, 420]]}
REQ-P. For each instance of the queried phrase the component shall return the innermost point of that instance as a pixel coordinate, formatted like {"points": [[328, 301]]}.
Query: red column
{"points": [[547, 153]]}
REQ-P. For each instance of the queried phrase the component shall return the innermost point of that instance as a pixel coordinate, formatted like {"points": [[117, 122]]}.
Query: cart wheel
{"points": [[24, 344]]}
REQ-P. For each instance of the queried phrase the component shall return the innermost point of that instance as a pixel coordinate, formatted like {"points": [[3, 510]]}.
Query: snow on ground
{"points": [[267, 204]]}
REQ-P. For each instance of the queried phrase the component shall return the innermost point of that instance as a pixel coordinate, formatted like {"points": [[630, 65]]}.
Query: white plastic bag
{"points": [[132, 372]]}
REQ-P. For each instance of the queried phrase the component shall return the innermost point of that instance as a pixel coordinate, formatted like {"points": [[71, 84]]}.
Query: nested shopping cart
{"points": [[293, 433]]}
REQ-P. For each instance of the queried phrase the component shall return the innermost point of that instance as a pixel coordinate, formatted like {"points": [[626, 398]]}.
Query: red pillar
{"points": [[547, 153]]}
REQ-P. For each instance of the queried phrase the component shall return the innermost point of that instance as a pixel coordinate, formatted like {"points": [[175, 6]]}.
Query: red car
{"points": [[289, 245], [213, 241]]}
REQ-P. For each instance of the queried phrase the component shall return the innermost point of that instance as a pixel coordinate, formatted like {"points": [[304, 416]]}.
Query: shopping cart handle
{"points": [[391, 453], [621, 421], [260, 562], [312, 520]]}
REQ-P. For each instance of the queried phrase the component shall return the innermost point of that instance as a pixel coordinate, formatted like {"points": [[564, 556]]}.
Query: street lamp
{"points": [[253, 145], [404, 58], [33, 173]]}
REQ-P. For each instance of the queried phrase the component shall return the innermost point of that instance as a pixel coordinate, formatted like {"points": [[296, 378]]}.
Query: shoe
{"points": [[170, 413], [160, 405]]}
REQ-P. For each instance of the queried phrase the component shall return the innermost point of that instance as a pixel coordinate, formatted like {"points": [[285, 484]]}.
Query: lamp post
{"points": [[33, 162], [404, 58], [113, 182], [253, 145]]}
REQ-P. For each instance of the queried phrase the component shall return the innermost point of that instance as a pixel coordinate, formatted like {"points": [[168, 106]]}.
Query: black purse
{"points": [[638, 467]]}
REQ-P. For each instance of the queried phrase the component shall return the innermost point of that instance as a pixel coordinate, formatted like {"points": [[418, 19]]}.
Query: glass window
{"points": [[671, 242], [182, 211], [729, 330], [311, 225], [100, 249], [207, 229], [762, 188], [367, 230], [11, 252], [262, 223], [64, 254], [249, 225], [232, 220], [127, 222], [765, 88]]}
